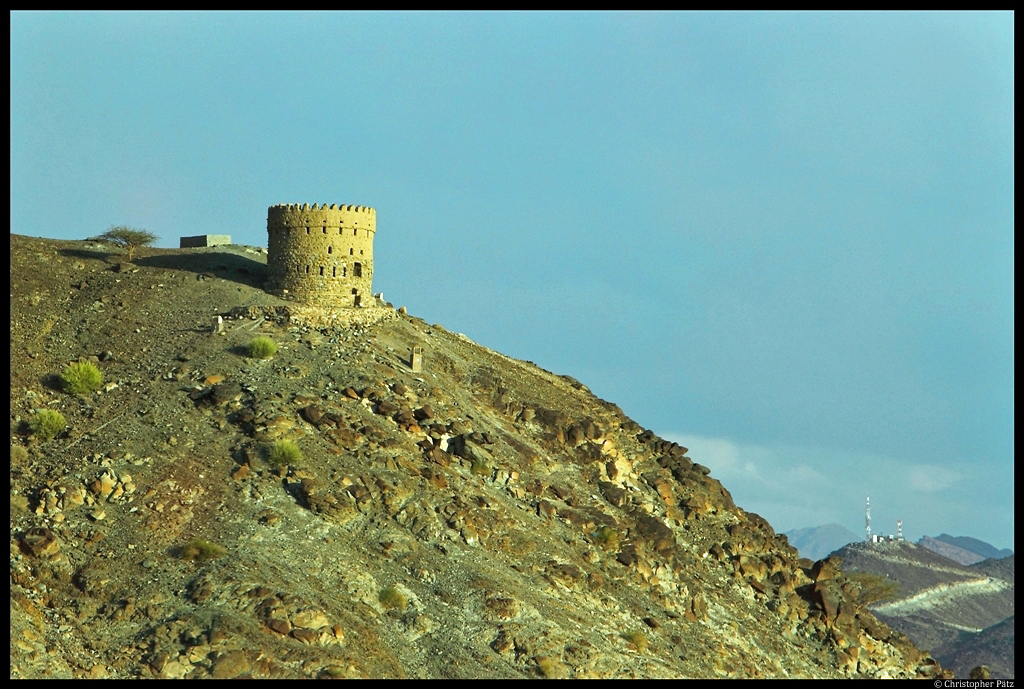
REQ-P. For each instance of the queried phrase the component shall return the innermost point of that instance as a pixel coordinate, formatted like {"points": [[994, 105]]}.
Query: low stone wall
{"points": [[314, 316], [341, 318], [204, 240]]}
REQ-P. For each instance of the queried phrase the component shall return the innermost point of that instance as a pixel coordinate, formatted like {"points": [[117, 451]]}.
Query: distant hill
{"points": [[963, 614], [974, 546], [817, 542], [948, 550], [992, 647], [999, 569]]}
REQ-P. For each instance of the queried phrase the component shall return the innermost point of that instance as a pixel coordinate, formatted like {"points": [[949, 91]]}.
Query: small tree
{"points": [[128, 238], [873, 587]]}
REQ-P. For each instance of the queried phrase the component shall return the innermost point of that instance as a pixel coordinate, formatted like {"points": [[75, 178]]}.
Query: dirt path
{"points": [[942, 594]]}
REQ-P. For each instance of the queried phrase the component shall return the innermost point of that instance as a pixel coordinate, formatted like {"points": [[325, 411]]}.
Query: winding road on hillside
{"points": [[941, 594]]}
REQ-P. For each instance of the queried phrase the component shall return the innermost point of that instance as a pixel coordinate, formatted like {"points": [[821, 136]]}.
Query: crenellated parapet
{"points": [[295, 215], [293, 212], [333, 206], [321, 255]]}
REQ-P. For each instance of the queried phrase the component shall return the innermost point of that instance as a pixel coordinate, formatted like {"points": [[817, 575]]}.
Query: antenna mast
{"points": [[899, 529], [867, 522]]}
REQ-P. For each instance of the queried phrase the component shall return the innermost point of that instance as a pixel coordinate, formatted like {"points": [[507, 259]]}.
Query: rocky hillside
{"points": [[991, 647], [942, 605], [481, 518]]}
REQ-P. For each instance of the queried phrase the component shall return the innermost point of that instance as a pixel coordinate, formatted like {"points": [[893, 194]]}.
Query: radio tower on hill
{"points": [[867, 522]]}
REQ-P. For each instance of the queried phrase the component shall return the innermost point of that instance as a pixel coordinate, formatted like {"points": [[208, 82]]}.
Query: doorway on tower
{"points": [[356, 297]]}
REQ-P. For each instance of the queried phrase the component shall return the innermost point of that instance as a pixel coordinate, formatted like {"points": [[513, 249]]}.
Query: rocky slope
{"points": [[946, 607], [991, 647], [481, 518]]}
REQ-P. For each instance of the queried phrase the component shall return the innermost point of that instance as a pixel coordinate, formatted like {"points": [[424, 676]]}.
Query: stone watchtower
{"points": [[321, 256]]}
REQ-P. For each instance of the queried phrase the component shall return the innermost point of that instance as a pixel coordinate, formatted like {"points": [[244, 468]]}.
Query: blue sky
{"points": [[785, 240]]}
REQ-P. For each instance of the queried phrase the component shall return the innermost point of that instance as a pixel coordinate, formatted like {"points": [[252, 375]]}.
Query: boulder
{"points": [[574, 435], [385, 408], [552, 418], [462, 446], [827, 568], [698, 608], [312, 413], [657, 533], [612, 493], [40, 541], [827, 597], [627, 554], [225, 392]]}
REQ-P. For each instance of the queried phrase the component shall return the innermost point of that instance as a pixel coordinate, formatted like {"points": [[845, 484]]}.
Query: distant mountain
{"points": [[973, 545], [963, 614], [948, 550], [817, 542]]}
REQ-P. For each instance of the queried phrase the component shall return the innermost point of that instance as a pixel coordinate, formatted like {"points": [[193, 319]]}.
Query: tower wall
{"points": [[321, 256]]}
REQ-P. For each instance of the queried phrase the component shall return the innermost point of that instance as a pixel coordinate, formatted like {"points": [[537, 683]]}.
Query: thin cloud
{"points": [[797, 487], [928, 478]]}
